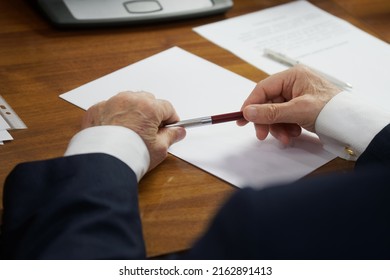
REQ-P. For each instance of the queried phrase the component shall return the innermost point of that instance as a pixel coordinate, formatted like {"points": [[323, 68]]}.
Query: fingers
{"points": [[284, 102], [272, 113], [302, 110], [285, 132], [142, 113], [169, 136], [275, 88], [166, 137], [261, 131], [167, 114], [162, 110]]}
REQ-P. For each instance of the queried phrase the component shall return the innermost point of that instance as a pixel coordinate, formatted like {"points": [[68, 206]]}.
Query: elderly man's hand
{"points": [[287, 101], [145, 115]]}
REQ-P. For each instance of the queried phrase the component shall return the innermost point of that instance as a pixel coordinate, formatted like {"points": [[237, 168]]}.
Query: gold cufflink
{"points": [[350, 152]]}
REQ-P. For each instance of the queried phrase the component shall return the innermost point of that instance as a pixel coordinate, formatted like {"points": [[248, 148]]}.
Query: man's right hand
{"points": [[283, 103]]}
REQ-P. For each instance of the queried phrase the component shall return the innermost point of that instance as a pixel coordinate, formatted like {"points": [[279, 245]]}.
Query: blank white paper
{"points": [[198, 88]]}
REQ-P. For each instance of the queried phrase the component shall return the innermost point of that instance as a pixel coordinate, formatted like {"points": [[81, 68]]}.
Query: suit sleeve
{"points": [[76, 207], [377, 152], [342, 216]]}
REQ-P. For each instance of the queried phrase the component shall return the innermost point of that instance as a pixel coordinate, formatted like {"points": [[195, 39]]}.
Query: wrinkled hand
{"points": [[283, 103], [142, 113]]}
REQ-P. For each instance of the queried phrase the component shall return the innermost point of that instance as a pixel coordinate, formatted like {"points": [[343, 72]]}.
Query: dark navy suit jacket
{"points": [[85, 207]]}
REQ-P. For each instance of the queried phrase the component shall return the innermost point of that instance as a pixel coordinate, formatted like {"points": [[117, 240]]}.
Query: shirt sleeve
{"points": [[117, 141], [348, 123]]}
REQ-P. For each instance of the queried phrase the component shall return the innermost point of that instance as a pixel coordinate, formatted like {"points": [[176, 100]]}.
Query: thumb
{"points": [[165, 138], [172, 135], [271, 113]]}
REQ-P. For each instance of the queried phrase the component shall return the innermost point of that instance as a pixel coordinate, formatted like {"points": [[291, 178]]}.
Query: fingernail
{"points": [[251, 112]]}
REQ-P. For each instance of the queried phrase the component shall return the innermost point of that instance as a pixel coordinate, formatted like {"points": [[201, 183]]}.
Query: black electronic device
{"points": [[120, 12]]}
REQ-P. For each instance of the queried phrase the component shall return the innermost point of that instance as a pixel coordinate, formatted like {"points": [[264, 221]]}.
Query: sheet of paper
{"points": [[3, 124], [197, 88], [312, 36], [5, 136]]}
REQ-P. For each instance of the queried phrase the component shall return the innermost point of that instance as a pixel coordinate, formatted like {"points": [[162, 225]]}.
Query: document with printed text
{"points": [[316, 38]]}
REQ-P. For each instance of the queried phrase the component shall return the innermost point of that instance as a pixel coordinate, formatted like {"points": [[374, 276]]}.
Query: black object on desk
{"points": [[79, 13]]}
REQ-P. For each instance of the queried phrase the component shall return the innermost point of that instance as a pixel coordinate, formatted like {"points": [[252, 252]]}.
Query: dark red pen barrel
{"points": [[226, 117]]}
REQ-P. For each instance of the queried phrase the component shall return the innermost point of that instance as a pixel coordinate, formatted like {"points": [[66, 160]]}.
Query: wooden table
{"points": [[39, 62]]}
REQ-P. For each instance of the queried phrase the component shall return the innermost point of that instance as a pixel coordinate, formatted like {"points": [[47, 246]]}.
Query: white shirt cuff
{"points": [[347, 124], [117, 141]]}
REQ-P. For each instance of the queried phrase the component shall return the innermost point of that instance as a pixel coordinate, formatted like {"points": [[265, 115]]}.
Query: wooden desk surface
{"points": [[39, 62]]}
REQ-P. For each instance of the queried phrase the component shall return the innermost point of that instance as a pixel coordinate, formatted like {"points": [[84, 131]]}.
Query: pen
{"points": [[208, 120], [279, 57]]}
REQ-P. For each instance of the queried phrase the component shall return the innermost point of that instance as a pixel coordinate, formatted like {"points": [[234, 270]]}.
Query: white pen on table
{"points": [[279, 57]]}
